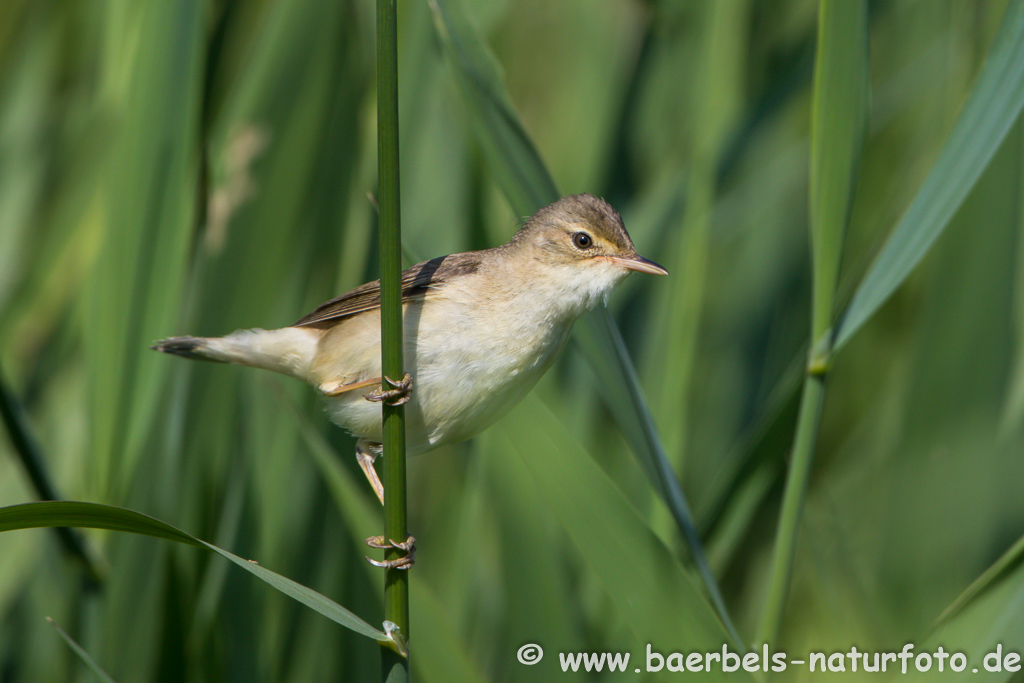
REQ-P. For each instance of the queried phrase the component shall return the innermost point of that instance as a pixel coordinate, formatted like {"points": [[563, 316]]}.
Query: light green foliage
{"points": [[202, 166]]}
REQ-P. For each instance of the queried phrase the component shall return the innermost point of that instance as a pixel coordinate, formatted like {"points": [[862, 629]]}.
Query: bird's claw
{"points": [[404, 562], [397, 396]]}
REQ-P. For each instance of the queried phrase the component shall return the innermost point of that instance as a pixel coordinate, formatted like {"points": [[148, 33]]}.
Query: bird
{"points": [[480, 328]]}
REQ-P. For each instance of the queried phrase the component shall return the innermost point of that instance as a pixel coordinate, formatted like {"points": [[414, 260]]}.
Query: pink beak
{"points": [[639, 264]]}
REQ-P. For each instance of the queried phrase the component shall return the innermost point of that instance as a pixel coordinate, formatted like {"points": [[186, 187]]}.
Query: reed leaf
{"points": [[96, 516], [989, 113]]}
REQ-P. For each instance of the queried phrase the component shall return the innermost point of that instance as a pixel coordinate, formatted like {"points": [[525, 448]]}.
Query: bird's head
{"points": [[580, 246]]}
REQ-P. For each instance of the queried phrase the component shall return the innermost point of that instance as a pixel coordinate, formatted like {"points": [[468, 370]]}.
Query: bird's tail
{"points": [[289, 350], [196, 348]]}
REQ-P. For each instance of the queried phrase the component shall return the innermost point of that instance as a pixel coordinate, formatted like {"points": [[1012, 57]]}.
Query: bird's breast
{"points": [[474, 360]]}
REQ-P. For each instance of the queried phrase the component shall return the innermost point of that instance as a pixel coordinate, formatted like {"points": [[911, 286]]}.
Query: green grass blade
{"points": [[96, 516], [81, 653], [838, 120], [993, 106], [307, 596]]}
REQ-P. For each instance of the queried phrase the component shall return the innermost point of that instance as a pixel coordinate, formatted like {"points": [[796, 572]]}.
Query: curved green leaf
{"points": [[96, 516], [991, 110]]}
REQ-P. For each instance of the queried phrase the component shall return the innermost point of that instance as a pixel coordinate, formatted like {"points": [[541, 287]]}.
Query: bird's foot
{"points": [[404, 562], [396, 396]]}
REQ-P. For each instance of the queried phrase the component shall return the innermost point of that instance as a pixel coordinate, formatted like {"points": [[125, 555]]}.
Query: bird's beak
{"points": [[639, 264]]}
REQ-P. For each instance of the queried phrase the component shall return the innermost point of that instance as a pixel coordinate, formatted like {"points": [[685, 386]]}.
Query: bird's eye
{"points": [[582, 240]]}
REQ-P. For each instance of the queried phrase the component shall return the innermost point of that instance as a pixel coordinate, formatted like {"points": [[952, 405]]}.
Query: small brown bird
{"points": [[480, 328]]}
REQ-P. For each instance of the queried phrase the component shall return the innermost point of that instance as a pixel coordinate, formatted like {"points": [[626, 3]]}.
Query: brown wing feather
{"points": [[415, 283]]}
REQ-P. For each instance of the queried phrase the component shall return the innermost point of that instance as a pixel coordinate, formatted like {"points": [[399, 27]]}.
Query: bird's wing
{"points": [[428, 275]]}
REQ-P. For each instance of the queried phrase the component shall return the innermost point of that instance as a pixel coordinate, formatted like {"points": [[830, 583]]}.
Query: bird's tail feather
{"points": [[195, 348], [289, 350]]}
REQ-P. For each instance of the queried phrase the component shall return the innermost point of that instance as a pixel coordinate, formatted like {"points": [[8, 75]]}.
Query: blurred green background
{"points": [[199, 166]]}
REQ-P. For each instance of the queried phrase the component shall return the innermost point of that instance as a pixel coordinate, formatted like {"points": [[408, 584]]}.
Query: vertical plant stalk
{"points": [[838, 120], [807, 425], [396, 584]]}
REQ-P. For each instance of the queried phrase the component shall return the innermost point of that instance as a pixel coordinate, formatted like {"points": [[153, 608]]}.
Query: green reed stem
{"points": [[396, 586]]}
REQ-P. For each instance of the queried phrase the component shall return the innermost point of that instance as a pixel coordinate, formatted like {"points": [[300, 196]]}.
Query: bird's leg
{"points": [[366, 452], [337, 388], [397, 396]]}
